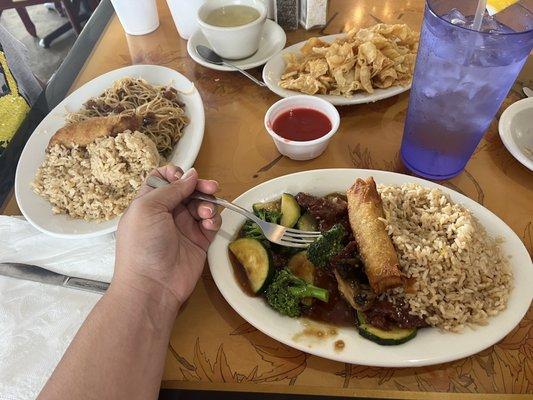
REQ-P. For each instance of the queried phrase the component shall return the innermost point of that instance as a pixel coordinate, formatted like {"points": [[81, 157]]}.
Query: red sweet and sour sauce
{"points": [[301, 124]]}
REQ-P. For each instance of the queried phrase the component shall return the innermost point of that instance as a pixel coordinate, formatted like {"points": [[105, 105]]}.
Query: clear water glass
{"points": [[461, 78]]}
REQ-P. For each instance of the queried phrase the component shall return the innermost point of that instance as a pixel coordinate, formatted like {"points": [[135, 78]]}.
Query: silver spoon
{"points": [[210, 56], [527, 91]]}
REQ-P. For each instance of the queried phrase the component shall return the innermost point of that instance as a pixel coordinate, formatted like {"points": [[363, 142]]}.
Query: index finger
{"points": [[207, 186], [169, 172]]}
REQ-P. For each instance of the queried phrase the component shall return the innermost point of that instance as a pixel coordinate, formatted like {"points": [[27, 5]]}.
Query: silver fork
{"points": [[274, 233]]}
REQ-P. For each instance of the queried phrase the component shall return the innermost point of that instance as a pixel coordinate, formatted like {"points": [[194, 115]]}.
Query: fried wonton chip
{"points": [[318, 67], [311, 44], [386, 78], [380, 56]]}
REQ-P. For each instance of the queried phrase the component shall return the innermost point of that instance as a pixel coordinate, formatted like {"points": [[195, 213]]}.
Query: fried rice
{"points": [[458, 273], [97, 182]]}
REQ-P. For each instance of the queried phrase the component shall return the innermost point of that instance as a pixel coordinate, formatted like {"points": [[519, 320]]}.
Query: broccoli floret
{"points": [[326, 246], [269, 215], [251, 230], [286, 291]]}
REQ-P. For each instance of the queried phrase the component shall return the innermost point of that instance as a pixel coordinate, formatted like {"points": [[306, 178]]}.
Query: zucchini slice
{"points": [[256, 260], [307, 223], [268, 205], [290, 210], [301, 267], [386, 338]]}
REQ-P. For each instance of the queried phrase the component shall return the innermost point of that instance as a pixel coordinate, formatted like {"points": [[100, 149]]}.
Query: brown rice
{"points": [[97, 182], [460, 275]]}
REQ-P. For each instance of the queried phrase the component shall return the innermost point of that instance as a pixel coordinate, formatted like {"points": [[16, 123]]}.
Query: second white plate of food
{"points": [[275, 68], [38, 210], [431, 345]]}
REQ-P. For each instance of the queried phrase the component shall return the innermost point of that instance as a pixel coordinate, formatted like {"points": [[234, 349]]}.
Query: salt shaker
{"points": [[287, 14], [313, 13]]}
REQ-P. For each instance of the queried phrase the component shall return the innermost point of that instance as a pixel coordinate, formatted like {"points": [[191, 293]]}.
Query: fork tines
{"points": [[296, 238]]}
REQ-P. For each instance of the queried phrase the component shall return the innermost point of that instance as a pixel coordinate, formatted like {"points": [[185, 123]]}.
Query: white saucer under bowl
{"points": [[516, 131], [272, 41]]}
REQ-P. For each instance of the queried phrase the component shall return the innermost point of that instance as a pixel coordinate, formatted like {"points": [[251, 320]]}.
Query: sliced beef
{"points": [[385, 315], [347, 260], [279, 260], [328, 211]]}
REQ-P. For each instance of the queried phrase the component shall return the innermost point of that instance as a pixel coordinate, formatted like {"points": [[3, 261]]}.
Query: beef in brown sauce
{"points": [[352, 283], [279, 260], [344, 277], [385, 315], [348, 259], [336, 311], [328, 211]]}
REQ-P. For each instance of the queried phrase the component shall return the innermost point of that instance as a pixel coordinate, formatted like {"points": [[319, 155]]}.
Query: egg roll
{"points": [[375, 246]]}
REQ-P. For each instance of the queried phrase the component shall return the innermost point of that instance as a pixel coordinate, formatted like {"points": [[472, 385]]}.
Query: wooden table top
{"points": [[212, 348]]}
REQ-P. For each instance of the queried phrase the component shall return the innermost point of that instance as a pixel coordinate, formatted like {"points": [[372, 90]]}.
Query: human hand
{"points": [[163, 237]]}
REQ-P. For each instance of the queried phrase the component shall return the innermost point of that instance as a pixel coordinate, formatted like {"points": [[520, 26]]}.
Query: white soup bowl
{"points": [[234, 42]]}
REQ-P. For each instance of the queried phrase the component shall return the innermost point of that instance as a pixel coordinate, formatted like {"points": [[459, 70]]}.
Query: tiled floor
{"points": [[43, 61]]}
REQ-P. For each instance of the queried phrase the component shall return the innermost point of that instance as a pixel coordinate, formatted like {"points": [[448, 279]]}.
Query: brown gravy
{"points": [[335, 312], [319, 332], [339, 345], [240, 275]]}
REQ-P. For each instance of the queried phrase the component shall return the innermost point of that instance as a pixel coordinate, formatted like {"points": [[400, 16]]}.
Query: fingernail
{"points": [[188, 174], [179, 173], [208, 209]]}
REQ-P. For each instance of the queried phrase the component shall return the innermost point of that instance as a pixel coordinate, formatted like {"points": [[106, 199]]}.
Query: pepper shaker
{"points": [[287, 14]]}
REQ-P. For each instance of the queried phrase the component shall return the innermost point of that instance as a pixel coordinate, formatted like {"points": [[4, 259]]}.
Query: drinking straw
{"points": [[481, 6]]}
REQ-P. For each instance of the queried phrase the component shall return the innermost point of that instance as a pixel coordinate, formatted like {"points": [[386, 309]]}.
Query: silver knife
{"points": [[42, 275]]}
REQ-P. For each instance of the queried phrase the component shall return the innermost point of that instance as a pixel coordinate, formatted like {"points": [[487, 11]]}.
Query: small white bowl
{"points": [[298, 150], [236, 42], [516, 131]]}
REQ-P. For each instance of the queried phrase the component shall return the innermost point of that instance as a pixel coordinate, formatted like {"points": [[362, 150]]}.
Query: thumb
{"points": [[176, 192]]}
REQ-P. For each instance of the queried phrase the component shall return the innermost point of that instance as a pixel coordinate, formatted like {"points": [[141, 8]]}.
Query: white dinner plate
{"points": [[273, 40], [37, 210], [430, 346], [276, 65], [516, 131]]}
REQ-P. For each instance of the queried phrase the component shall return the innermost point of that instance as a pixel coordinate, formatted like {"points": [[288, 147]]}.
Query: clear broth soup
{"points": [[230, 16]]}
